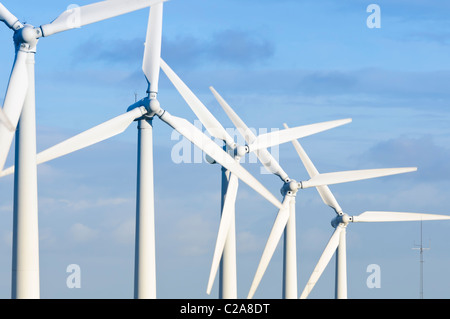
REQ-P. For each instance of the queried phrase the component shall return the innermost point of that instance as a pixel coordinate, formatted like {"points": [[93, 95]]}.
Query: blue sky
{"points": [[298, 62]]}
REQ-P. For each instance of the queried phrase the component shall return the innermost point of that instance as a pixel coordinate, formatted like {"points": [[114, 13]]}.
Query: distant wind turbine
{"points": [[337, 242], [420, 248]]}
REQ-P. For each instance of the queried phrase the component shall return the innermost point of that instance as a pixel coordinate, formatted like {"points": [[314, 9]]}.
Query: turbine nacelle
{"points": [[241, 151], [341, 219], [154, 107], [291, 187], [151, 105], [28, 36]]}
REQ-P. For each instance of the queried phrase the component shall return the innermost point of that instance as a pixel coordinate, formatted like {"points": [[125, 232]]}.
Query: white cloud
{"points": [[195, 235], [248, 242], [124, 233], [316, 238], [81, 233]]}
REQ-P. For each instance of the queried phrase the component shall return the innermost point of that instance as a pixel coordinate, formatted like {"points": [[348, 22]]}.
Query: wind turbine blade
{"points": [[77, 17], [243, 129], [224, 228], [208, 120], [94, 135], [152, 52], [324, 259], [310, 168], [13, 104], [9, 19], [263, 154], [279, 137], [203, 142], [5, 121], [375, 216], [324, 191], [272, 243], [351, 176], [7, 171]]}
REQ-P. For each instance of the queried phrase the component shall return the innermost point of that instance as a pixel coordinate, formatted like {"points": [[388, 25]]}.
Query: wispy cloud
{"points": [[432, 160], [233, 47], [192, 241], [371, 87], [239, 47], [230, 47], [82, 233], [106, 51], [442, 38]]}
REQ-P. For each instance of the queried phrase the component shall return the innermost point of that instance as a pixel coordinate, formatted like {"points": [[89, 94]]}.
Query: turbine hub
{"points": [[293, 186], [290, 187], [154, 105], [241, 151], [27, 35]]}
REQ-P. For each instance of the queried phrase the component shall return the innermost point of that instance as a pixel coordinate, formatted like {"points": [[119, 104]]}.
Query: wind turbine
{"points": [[285, 221], [19, 103], [420, 248], [337, 241], [225, 245]]}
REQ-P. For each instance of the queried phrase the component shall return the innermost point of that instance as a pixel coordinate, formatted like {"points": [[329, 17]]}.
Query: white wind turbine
{"points": [[285, 221], [144, 111], [225, 250], [337, 242], [19, 103]]}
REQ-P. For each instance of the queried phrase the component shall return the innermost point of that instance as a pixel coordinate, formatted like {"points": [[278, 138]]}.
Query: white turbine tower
{"points": [[19, 103], [285, 221], [337, 242], [225, 251]]}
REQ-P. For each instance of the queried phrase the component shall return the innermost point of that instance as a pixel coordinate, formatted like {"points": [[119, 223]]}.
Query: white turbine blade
{"points": [[324, 191], [351, 176], [310, 168], [203, 142], [152, 52], [212, 125], [246, 133], [87, 138], [5, 121], [375, 216], [94, 135], [9, 19], [279, 137], [263, 154], [7, 171], [272, 243], [13, 104], [77, 17], [325, 258], [224, 228]]}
